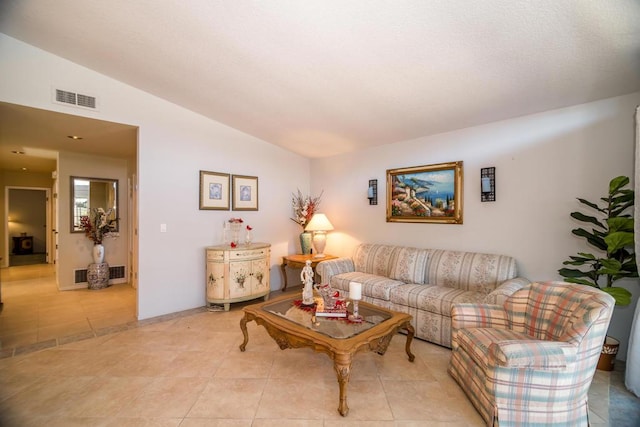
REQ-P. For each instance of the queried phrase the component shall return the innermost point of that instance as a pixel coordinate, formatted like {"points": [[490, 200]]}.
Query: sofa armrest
{"points": [[471, 315], [328, 269], [532, 354], [500, 294]]}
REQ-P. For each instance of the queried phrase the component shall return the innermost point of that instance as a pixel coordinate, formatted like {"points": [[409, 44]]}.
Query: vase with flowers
{"points": [[303, 209], [235, 225], [97, 226]]}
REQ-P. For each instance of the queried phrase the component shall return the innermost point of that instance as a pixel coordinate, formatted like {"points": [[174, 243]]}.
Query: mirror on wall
{"points": [[89, 193]]}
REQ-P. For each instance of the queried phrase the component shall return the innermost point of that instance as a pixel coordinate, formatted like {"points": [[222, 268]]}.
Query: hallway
{"points": [[36, 315]]}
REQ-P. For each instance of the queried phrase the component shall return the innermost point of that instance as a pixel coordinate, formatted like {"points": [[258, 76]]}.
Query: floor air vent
{"points": [[80, 276], [77, 99], [116, 272]]}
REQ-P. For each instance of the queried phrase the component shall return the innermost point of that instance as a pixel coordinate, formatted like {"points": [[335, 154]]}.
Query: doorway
{"points": [[28, 224]]}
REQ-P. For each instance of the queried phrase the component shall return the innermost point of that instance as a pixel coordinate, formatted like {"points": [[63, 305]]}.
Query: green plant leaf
{"points": [[572, 272], [621, 295], [620, 224], [618, 240], [576, 263], [591, 205], [587, 255], [580, 260], [623, 196], [611, 264], [592, 238], [586, 218], [581, 282], [617, 183]]}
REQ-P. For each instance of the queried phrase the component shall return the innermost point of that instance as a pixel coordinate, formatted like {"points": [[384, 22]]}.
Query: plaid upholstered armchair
{"points": [[531, 360]]}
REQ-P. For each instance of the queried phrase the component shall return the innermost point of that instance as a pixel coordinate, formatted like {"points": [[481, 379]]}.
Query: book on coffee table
{"points": [[332, 312]]}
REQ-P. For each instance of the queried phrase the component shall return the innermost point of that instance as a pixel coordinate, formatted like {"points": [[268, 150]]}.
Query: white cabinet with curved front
{"points": [[237, 274]]}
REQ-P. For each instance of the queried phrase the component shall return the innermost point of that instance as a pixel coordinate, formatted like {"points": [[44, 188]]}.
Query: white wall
{"points": [[174, 145], [543, 162]]}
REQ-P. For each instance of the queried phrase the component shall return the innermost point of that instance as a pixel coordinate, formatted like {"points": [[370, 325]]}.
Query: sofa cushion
{"points": [[435, 299], [410, 265], [374, 259], [470, 271], [373, 286]]}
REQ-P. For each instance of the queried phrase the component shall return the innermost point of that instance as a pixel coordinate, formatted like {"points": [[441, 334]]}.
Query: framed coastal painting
{"points": [[214, 191], [245, 193], [430, 193]]}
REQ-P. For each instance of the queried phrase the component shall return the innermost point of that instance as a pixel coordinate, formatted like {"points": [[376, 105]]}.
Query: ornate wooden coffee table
{"points": [[292, 327]]}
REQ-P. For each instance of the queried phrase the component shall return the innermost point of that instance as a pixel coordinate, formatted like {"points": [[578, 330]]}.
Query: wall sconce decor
{"points": [[372, 192], [488, 184]]}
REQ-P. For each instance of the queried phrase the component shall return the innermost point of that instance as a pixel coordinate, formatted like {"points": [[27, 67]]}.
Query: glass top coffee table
{"points": [[294, 327]]}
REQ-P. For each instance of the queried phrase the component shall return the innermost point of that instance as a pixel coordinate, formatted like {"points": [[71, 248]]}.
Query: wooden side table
{"points": [[299, 261]]}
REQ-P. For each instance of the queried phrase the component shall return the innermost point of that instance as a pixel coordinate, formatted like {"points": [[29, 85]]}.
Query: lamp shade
{"points": [[319, 222]]}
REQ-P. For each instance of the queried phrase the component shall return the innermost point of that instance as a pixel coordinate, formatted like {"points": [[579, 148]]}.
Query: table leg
{"points": [[410, 333], [284, 275], [243, 327], [342, 366]]}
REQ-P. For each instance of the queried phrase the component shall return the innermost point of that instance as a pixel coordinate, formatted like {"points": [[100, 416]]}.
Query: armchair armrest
{"points": [[536, 354], [500, 294], [329, 268], [469, 315]]}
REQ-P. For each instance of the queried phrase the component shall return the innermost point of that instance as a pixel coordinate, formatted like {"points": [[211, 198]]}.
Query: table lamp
{"points": [[319, 225]]}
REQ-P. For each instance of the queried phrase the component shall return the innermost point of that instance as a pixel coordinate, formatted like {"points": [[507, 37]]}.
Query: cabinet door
{"points": [[260, 276], [239, 283], [215, 281]]}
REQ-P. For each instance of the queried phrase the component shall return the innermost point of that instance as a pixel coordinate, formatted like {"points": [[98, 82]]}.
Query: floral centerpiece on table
{"points": [[98, 226], [304, 208]]}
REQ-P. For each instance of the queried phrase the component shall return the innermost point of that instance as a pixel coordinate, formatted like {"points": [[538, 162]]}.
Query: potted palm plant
{"points": [[612, 234]]}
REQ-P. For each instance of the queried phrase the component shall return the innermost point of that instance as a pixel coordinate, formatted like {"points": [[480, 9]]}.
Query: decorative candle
{"points": [[355, 290]]}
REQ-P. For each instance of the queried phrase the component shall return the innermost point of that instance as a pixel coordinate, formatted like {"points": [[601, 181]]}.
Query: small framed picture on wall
{"points": [[245, 193], [214, 191]]}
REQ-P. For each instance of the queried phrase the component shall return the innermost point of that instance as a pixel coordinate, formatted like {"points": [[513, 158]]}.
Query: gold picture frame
{"points": [[245, 193], [431, 194], [214, 191]]}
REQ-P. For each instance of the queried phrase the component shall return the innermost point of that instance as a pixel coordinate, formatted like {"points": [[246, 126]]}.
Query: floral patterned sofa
{"points": [[424, 282]]}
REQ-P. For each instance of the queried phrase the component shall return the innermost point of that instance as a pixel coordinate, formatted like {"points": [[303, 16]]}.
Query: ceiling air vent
{"points": [[65, 97], [86, 101], [77, 99]]}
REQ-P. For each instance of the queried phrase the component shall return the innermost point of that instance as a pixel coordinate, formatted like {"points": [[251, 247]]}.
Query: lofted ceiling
{"points": [[322, 78]]}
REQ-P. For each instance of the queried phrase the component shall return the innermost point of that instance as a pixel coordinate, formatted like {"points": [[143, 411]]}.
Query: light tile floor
{"points": [[186, 370]]}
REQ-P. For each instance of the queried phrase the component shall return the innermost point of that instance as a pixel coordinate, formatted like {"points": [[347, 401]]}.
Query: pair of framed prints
{"points": [[217, 190]]}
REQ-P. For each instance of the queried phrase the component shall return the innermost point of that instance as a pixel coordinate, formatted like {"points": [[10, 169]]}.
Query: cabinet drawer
{"points": [[248, 254], [215, 256]]}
